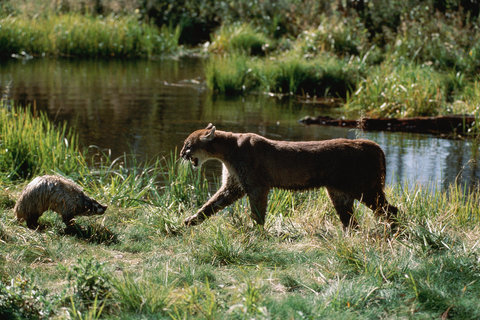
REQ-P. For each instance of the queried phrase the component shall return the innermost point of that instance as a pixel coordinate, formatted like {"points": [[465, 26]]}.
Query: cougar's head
{"points": [[194, 147]]}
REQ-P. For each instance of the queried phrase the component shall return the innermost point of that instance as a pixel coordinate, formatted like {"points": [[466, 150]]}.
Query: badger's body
{"points": [[57, 194]]}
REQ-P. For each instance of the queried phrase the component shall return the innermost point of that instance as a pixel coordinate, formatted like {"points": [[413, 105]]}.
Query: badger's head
{"points": [[195, 147], [92, 207]]}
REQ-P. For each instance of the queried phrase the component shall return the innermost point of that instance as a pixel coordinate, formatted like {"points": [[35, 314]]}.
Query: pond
{"points": [[147, 108]]}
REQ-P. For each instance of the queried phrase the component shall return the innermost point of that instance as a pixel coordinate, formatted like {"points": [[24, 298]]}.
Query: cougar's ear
{"points": [[210, 126], [209, 135]]}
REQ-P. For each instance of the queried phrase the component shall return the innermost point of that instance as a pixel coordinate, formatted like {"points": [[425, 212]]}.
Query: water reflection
{"points": [[149, 107], [429, 160]]}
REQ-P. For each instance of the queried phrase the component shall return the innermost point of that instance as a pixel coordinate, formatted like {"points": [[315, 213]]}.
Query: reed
{"points": [[400, 91], [242, 39], [31, 145], [230, 75], [325, 76], [74, 35]]}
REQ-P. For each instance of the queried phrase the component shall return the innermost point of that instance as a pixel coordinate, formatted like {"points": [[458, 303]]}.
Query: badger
{"points": [[54, 193]]}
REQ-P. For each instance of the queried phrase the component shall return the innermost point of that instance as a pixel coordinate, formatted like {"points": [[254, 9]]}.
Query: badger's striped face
{"points": [[98, 208], [92, 207]]}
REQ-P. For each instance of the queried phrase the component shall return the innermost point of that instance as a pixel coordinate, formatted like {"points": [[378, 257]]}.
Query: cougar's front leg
{"points": [[228, 193]]}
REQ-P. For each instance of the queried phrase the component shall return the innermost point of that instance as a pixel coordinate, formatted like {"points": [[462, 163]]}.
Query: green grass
{"points": [[325, 76], [392, 61], [400, 91], [74, 35], [228, 268], [32, 145], [389, 60], [139, 261], [243, 39], [230, 76]]}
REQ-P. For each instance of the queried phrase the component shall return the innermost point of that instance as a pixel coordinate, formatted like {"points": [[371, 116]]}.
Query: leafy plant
{"points": [[90, 280], [21, 298]]}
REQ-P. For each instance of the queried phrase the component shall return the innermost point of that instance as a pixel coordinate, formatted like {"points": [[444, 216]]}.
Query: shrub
{"points": [[90, 281], [400, 91], [340, 35], [242, 39], [443, 43], [22, 299]]}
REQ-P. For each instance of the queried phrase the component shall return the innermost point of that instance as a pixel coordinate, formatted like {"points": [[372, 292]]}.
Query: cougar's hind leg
{"points": [[377, 201], [258, 202], [343, 204]]}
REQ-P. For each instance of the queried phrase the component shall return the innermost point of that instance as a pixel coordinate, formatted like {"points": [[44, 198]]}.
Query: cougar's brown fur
{"points": [[252, 165]]}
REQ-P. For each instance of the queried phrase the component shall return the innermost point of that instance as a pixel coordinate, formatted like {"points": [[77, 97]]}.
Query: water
{"points": [[148, 108]]}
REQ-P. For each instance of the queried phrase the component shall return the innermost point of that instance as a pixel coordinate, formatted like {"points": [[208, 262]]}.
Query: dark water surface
{"points": [[148, 108]]}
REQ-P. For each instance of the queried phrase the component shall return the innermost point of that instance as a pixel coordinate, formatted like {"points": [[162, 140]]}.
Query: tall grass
{"points": [[230, 76], [325, 76], [391, 61], [74, 35], [400, 91], [31, 145], [243, 39], [301, 265]]}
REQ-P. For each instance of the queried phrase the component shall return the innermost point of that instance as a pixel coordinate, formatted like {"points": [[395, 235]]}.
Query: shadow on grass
{"points": [[92, 233], [6, 202]]}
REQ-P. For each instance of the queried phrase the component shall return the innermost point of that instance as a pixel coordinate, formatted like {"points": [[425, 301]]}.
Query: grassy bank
{"points": [[138, 261], [74, 35], [408, 65], [383, 59], [324, 76]]}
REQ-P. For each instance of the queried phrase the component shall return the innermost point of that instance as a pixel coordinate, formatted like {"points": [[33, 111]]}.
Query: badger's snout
{"points": [[100, 209]]}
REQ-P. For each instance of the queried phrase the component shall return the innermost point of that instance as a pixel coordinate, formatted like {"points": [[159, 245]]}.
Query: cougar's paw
{"points": [[193, 220]]}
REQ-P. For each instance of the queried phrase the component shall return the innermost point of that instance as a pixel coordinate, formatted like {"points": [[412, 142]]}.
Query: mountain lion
{"points": [[252, 165]]}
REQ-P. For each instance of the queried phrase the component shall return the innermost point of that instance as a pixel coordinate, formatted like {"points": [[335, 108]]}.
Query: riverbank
{"points": [[80, 36], [301, 266], [388, 60]]}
